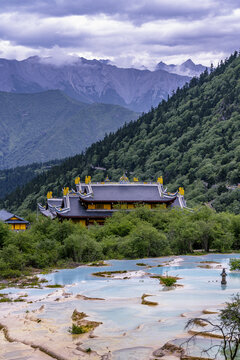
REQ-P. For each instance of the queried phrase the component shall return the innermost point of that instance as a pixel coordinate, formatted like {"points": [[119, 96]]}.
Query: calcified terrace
{"points": [[36, 322]]}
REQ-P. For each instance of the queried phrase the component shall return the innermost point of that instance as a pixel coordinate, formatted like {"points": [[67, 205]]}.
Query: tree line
{"points": [[134, 234]]}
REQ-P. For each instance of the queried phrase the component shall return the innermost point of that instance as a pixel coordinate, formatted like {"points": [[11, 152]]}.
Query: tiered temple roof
{"points": [[126, 193], [96, 201]]}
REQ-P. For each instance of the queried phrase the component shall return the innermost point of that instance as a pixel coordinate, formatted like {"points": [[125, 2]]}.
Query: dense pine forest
{"points": [[10, 179], [192, 140]]}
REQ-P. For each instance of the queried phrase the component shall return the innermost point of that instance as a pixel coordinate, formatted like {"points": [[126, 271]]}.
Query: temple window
{"points": [[107, 206], [130, 206], [99, 206], [91, 206], [123, 206]]}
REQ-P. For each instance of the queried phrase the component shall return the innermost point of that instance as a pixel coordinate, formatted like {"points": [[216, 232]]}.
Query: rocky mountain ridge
{"points": [[187, 68], [90, 81]]}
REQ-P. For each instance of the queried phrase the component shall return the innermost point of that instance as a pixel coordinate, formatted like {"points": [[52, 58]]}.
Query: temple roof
{"points": [[77, 210], [126, 193], [179, 202], [6, 216], [55, 202]]}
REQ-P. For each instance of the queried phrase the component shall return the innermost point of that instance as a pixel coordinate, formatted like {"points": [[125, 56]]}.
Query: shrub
{"points": [[10, 273], [78, 329], [5, 299], [168, 280], [234, 264]]}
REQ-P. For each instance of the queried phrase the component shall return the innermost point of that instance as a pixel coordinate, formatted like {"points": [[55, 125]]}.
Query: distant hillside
{"points": [[90, 81], [193, 140], [10, 179], [49, 125]]}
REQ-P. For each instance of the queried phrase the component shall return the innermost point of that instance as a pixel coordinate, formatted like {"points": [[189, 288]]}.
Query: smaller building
{"points": [[15, 222]]}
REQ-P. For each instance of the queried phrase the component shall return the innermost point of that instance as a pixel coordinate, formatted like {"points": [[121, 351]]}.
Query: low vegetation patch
{"points": [[3, 295], [10, 274], [205, 334], [77, 316], [80, 325], [205, 266], [5, 299], [147, 302], [141, 264], [200, 322], [234, 264], [83, 297], [54, 286], [98, 263], [169, 349], [209, 312], [31, 282], [109, 273], [167, 281], [78, 329]]}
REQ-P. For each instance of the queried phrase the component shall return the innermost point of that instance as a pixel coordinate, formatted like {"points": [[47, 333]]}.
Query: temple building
{"points": [[15, 222], [94, 202]]}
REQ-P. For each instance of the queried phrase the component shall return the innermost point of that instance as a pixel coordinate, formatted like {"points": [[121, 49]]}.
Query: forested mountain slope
{"points": [[12, 178], [193, 140], [49, 125]]}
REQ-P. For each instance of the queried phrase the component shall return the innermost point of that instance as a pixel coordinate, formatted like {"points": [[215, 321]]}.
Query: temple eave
{"points": [[83, 216], [163, 201]]}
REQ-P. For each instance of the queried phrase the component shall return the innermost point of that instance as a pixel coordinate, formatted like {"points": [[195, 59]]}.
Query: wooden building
{"points": [[15, 222], [94, 202]]}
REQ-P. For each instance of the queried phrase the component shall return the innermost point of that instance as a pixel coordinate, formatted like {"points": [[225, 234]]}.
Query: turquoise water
{"points": [[128, 326]]}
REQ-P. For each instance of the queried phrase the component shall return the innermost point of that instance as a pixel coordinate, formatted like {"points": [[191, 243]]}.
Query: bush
{"points": [[81, 247], [5, 299], [234, 264], [144, 241], [10, 273], [4, 233], [168, 280], [78, 329]]}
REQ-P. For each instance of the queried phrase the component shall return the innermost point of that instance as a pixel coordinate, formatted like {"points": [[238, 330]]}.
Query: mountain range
{"points": [[54, 110], [92, 81], [192, 140], [50, 125], [188, 68]]}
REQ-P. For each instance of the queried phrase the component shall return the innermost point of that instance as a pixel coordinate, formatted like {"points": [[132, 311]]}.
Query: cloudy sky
{"points": [[128, 32]]}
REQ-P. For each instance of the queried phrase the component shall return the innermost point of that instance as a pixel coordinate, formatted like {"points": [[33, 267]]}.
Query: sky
{"points": [[130, 33]]}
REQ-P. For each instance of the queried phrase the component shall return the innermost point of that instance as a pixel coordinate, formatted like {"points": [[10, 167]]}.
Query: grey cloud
{"points": [[138, 11], [131, 28]]}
